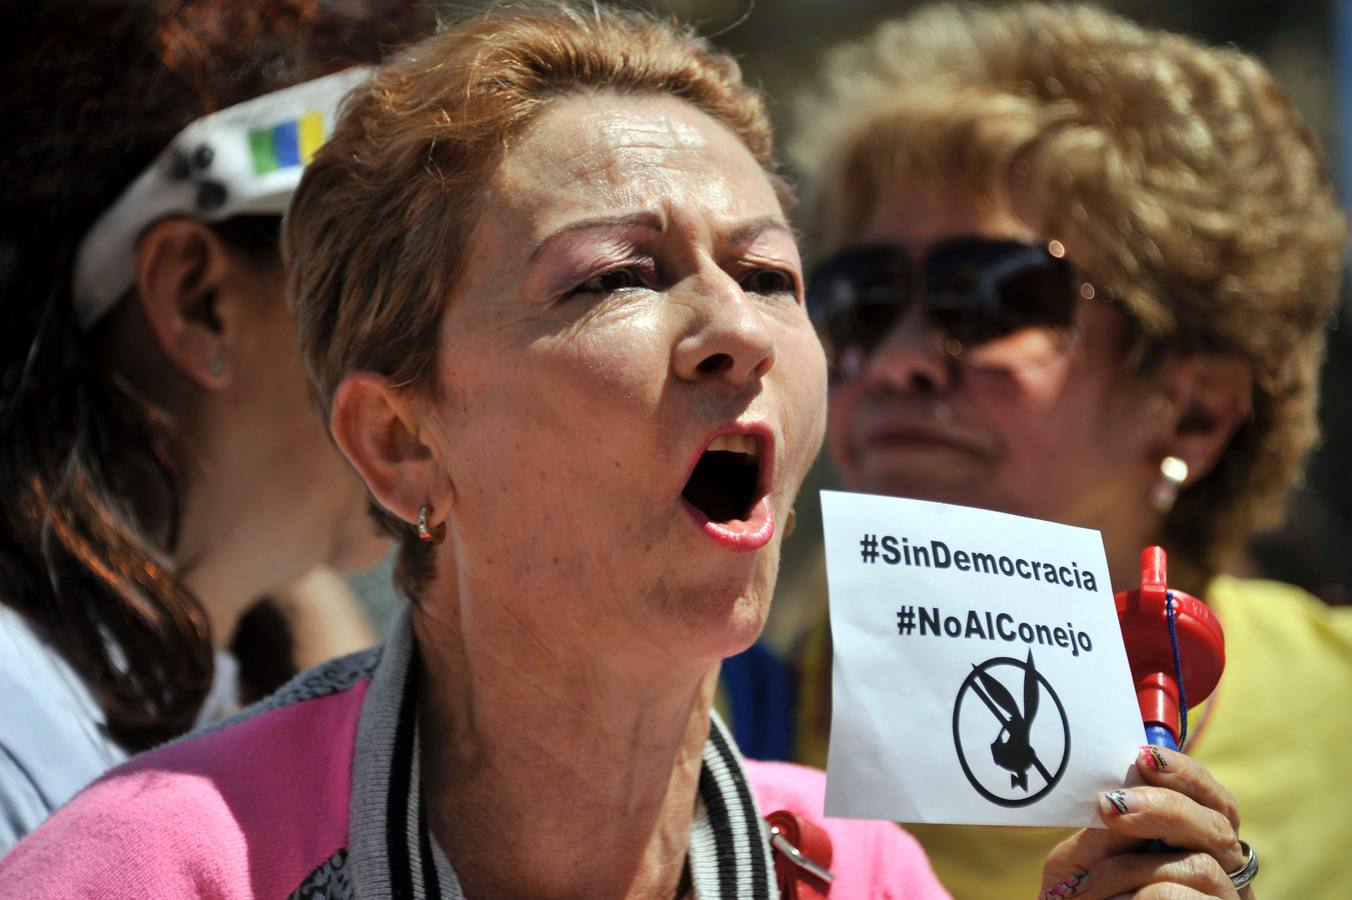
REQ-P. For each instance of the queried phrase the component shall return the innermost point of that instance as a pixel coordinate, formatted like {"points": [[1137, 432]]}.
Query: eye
{"points": [[770, 281], [609, 282]]}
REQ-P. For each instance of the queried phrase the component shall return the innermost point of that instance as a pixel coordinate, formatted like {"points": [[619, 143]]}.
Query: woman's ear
{"points": [[193, 296], [378, 428], [1209, 396]]}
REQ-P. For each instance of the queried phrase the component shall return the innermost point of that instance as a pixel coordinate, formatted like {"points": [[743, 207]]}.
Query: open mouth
{"points": [[725, 483]]}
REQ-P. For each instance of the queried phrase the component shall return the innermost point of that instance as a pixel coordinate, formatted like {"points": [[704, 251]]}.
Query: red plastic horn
{"points": [[1145, 630]]}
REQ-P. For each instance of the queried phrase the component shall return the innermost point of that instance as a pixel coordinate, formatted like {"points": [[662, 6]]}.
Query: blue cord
{"points": [[1170, 606]]}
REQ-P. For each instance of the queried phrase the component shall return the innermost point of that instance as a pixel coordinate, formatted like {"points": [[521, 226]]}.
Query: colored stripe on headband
{"points": [[243, 160], [291, 143]]}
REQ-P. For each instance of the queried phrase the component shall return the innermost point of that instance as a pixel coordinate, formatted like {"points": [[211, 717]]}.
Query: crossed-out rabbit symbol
{"points": [[1012, 748]]}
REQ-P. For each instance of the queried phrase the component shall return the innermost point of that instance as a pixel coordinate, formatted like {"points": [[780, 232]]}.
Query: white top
{"points": [[54, 738]]}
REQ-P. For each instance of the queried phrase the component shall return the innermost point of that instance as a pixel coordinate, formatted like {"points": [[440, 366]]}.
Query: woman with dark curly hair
{"points": [[1076, 269], [159, 466]]}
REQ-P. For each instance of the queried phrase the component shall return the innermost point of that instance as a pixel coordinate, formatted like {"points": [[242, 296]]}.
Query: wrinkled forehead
{"points": [[591, 151], [916, 214], [908, 171]]}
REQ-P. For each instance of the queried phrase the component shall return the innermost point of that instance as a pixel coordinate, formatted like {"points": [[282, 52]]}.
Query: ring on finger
{"points": [[1246, 873]]}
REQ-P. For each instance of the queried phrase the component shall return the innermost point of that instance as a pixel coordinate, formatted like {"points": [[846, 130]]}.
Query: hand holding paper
{"points": [[1099, 863]]}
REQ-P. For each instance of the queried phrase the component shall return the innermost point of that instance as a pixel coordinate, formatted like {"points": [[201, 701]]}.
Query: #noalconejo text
{"points": [[937, 555], [929, 621]]}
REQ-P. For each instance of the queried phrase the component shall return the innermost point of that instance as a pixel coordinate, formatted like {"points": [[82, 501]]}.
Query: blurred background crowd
{"points": [[1308, 47]]}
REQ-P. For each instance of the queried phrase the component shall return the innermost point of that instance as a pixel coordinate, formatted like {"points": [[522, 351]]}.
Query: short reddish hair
{"points": [[372, 236]]}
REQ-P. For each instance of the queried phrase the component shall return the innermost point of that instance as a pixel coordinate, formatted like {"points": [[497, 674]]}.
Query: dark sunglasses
{"points": [[997, 303]]}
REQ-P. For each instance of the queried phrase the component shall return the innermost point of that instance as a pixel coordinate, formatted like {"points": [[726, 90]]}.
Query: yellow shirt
{"points": [[1277, 732]]}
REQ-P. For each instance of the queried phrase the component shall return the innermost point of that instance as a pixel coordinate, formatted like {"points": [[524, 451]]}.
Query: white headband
{"points": [[243, 160]]}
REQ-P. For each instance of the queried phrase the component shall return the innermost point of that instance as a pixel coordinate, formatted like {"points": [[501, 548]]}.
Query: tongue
{"points": [[723, 485]]}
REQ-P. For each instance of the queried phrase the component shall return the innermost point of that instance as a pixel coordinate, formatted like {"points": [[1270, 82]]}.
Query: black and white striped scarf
{"points": [[392, 856]]}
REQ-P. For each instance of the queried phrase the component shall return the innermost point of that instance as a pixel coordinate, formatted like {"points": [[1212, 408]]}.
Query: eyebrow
{"points": [[744, 233], [749, 231], [647, 220]]}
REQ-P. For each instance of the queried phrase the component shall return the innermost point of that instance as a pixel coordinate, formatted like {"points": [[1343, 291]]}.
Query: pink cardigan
{"points": [[261, 808]]}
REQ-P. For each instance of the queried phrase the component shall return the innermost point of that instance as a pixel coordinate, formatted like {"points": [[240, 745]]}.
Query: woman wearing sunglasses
{"points": [[1074, 269]]}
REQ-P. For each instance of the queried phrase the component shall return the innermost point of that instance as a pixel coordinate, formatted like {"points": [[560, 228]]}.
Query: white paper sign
{"points": [[979, 673]]}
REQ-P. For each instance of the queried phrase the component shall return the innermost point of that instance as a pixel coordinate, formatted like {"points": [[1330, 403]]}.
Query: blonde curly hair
{"points": [[1179, 174]]}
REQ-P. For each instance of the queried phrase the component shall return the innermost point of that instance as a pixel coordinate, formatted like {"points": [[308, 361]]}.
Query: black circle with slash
{"points": [[997, 737]]}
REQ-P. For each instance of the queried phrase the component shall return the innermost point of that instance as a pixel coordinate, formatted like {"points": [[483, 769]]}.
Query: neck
{"points": [[1127, 529], [211, 548], [215, 581], [226, 556], [207, 551], [1124, 565], [552, 773], [214, 559]]}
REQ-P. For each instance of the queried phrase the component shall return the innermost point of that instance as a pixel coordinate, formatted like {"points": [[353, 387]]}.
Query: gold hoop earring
{"points": [[431, 534], [1164, 493], [790, 523]]}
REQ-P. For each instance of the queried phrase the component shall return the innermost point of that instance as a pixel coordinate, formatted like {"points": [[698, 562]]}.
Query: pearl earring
{"points": [[1164, 493]]}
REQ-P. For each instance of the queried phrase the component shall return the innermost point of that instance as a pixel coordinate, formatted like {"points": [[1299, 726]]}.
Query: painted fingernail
{"points": [[1068, 888], [1113, 803], [1152, 758]]}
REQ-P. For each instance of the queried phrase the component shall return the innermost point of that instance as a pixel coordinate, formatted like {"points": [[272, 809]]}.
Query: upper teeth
{"points": [[737, 443]]}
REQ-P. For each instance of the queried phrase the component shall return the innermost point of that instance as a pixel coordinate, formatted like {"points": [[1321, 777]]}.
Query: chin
{"points": [[717, 623], [909, 485], [744, 626], [941, 483]]}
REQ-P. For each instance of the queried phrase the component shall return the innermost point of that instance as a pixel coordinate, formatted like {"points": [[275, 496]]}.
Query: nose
{"points": [[728, 339], [911, 357]]}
